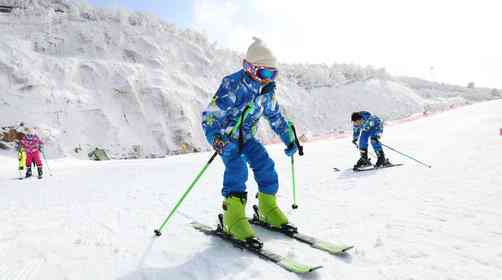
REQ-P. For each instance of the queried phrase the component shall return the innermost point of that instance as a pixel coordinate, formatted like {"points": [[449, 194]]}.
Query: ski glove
{"points": [[270, 87], [291, 149], [219, 144], [354, 141], [222, 146]]}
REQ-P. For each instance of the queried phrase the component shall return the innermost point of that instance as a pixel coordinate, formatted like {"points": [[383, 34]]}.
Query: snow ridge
{"points": [[135, 85]]}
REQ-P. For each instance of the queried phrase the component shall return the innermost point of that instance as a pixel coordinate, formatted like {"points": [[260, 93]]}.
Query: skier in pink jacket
{"points": [[32, 146]]}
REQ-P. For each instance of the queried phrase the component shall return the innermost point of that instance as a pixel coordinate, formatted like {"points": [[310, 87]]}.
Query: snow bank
{"points": [[134, 85]]}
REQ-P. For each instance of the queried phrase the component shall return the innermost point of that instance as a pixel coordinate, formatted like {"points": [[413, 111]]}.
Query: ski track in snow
{"points": [[95, 220]]}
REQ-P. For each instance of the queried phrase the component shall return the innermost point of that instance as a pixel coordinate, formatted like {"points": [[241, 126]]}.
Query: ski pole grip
{"points": [[300, 147]]}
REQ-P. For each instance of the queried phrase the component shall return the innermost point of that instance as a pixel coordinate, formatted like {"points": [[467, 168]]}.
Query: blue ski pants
{"points": [[236, 169], [373, 135]]}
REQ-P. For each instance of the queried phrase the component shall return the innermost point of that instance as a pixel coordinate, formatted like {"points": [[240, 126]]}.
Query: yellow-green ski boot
{"points": [[269, 212], [235, 222]]}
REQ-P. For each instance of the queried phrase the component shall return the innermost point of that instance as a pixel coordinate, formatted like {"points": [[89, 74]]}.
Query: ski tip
{"points": [[295, 267], [315, 268], [334, 249]]}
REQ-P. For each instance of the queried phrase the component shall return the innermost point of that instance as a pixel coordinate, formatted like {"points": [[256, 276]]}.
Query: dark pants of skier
{"points": [[236, 170]]}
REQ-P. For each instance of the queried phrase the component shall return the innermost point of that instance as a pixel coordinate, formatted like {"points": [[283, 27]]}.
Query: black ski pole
{"points": [[158, 231], [403, 154], [293, 182], [300, 152], [300, 147]]}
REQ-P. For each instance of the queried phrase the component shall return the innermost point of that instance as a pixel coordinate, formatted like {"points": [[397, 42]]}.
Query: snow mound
{"points": [[135, 86]]}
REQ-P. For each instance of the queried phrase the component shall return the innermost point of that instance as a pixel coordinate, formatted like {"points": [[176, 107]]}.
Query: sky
{"points": [[447, 41], [174, 11]]}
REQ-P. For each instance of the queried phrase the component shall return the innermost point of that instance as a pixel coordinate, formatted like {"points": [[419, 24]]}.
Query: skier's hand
{"points": [[270, 87], [354, 141], [219, 144], [223, 146], [291, 149]]}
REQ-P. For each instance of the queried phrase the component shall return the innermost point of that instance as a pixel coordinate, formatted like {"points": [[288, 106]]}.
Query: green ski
{"points": [[291, 231], [284, 262]]}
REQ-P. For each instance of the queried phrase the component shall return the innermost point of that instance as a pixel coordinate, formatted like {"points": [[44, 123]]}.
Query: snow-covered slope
{"points": [[94, 220], [134, 85]]}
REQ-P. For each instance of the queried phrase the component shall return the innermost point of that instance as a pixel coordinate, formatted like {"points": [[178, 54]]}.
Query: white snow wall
{"points": [[136, 86]]}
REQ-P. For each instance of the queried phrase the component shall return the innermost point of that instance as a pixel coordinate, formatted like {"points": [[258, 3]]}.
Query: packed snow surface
{"points": [[95, 220]]}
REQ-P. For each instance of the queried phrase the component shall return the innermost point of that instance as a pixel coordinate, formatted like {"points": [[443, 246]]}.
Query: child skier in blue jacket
{"points": [[368, 127], [229, 124]]}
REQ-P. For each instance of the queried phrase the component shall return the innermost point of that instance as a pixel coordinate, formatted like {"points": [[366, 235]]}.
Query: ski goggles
{"points": [[260, 73]]}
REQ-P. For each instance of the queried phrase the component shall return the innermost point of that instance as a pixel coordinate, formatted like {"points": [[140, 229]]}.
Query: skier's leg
{"points": [[374, 135], [236, 174], [38, 163], [37, 159], [375, 143], [363, 150], [22, 159], [377, 147], [263, 167], [29, 160], [363, 140], [267, 179], [235, 221]]}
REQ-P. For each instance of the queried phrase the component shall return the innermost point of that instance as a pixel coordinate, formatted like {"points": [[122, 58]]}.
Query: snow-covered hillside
{"points": [[134, 85], [94, 220]]}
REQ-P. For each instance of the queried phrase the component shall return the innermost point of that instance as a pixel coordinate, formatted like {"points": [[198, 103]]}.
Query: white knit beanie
{"points": [[259, 54]]}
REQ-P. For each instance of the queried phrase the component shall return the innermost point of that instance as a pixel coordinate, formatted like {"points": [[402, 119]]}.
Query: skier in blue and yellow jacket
{"points": [[368, 127], [230, 123]]}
